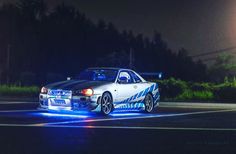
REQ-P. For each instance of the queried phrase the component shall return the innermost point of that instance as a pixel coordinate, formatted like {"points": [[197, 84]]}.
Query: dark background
{"points": [[45, 41], [199, 26]]}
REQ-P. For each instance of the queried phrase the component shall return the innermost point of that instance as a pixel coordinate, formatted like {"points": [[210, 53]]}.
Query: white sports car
{"points": [[103, 90]]}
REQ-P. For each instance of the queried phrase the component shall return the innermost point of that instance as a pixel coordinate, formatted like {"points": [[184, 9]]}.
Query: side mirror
{"points": [[123, 80]]}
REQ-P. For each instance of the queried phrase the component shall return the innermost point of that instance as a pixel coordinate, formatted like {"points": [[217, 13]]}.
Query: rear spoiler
{"points": [[154, 75]]}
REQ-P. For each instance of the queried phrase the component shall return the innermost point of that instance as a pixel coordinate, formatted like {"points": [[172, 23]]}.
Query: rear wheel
{"points": [[149, 103], [106, 103]]}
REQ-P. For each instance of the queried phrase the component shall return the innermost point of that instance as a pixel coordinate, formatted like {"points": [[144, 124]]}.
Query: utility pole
{"points": [[1, 68], [8, 63], [0, 76], [131, 59]]}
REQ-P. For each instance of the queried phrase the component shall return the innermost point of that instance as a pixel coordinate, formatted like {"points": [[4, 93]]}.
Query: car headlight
{"points": [[87, 92], [44, 90]]}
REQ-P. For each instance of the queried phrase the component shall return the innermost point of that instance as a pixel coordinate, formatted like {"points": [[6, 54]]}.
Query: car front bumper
{"points": [[74, 103]]}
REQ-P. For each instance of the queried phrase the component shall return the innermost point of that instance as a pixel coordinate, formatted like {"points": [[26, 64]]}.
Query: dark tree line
{"points": [[38, 45]]}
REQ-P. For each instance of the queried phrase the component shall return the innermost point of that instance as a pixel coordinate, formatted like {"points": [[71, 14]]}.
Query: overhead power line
{"points": [[208, 59], [213, 58], [214, 52]]}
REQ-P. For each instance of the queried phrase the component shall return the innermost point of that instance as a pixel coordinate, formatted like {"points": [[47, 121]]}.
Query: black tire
{"points": [[106, 103], [149, 103]]}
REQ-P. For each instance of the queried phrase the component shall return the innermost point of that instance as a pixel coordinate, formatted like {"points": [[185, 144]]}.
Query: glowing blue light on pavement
{"points": [[62, 115], [120, 114]]}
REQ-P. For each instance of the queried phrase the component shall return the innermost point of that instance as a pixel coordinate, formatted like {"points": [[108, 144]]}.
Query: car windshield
{"points": [[98, 75]]}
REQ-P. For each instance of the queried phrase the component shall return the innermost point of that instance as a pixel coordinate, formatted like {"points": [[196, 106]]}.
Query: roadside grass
{"points": [[189, 95], [178, 90], [18, 91]]}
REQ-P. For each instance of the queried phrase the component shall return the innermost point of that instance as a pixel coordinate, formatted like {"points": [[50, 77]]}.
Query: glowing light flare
{"points": [[87, 92], [44, 90]]}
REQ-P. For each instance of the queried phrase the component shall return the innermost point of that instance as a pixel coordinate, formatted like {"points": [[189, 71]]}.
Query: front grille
{"points": [[64, 94]]}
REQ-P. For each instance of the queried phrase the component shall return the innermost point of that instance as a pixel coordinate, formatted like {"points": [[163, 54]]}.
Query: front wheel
{"points": [[106, 103], [149, 103]]}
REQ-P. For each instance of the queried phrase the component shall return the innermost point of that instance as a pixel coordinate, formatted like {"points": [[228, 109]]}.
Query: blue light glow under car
{"points": [[62, 115], [120, 114]]}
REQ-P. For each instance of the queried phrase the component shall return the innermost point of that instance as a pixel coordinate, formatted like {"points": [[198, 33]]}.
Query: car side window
{"points": [[135, 77], [127, 75]]}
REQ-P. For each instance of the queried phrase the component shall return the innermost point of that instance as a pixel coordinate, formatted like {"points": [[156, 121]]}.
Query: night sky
{"points": [[197, 25]]}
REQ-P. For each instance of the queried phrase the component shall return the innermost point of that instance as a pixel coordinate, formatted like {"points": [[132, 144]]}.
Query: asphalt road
{"points": [[24, 129]]}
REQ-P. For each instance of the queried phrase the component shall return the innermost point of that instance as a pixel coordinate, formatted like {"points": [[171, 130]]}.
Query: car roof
{"points": [[112, 68], [118, 69]]}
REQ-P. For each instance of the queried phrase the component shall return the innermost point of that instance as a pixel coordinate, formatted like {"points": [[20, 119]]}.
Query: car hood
{"points": [[75, 84]]}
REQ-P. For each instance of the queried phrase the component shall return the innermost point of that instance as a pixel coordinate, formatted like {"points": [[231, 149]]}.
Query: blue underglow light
{"points": [[120, 114], [63, 115], [67, 110]]}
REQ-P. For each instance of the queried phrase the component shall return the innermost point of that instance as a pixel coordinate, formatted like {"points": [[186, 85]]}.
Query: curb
{"points": [[17, 102], [198, 105]]}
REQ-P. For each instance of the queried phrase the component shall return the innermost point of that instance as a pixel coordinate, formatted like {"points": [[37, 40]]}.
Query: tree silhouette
{"points": [[224, 66], [64, 41]]}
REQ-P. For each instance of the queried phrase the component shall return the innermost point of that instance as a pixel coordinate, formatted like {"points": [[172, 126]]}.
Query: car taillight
{"points": [[87, 92], [44, 90]]}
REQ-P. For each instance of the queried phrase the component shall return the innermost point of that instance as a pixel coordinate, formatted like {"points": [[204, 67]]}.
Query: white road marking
{"points": [[147, 128], [60, 124], [4, 111], [134, 117], [122, 127], [198, 105]]}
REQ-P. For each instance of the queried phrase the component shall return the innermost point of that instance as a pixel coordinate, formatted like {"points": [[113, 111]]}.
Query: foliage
{"points": [[172, 88], [226, 93], [204, 86], [177, 90], [223, 68], [64, 41], [54, 77], [27, 78], [18, 91], [189, 95]]}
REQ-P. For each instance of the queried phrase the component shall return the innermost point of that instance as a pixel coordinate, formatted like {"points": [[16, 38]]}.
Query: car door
{"points": [[127, 89], [139, 87]]}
